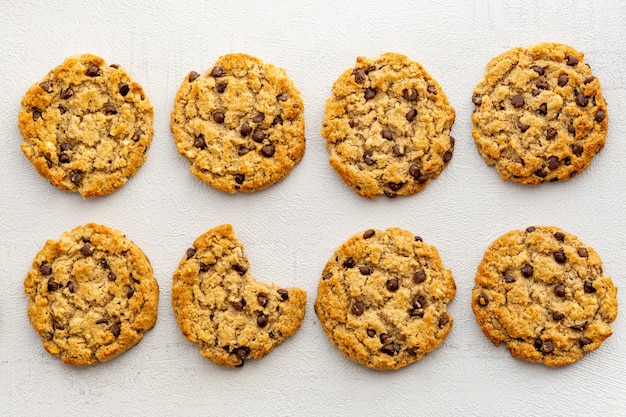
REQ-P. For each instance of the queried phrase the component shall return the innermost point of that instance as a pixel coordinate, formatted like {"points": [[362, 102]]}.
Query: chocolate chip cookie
{"points": [[387, 126], [220, 307], [382, 298], [539, 114], [543, 293], [240, 124], [92, 295], [86, 126]]}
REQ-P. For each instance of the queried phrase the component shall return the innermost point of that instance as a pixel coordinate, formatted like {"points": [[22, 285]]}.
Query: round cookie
{"points": [[543, 293], [92, 295], [387, 126], [240, 124], [382, 299], [539, 114], [86, 126], [220, 307]]}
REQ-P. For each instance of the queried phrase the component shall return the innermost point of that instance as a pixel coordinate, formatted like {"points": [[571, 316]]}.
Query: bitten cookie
{"points": [[543, 293], [539, 114], [387, 126], [240, 124], [86, 126], [383, 298], [92, 295], [221, 308]]}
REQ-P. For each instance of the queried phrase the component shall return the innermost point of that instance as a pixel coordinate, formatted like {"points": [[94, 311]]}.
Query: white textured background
{"points": [[291, 229]]}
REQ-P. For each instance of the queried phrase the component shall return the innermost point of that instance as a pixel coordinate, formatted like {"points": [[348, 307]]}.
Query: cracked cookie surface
{"points": [[240, 124], [544, 294], [92, 295], [382, 299], [221, 308], [539, 114], [86, 126], [387, 127]]}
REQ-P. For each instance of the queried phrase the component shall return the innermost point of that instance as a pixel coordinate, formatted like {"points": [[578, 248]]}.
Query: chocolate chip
{"points": [[190, 253], [86, 250], [447, 156], [357, 308], [387, 134], [600, 115], [543, 109], [46, 86], [418, 302], [551, 133], [517, 100], [541, 173], [116, 66], [396, 186], [110, 109], [218, 117], [384, 337], [268, 150], [67, 93], [284, 294], [221, 87], [258, 118], [368, 233], [53, 285], [582, 100], [204, 267], [482, 299], [57, 325], [242, 352], [258, 135], [45, 269], [535, 92], [392, 284], [556, 316], [217, 72], [527, 270], [579, 327], [567, 161], [523, 127], [546, 347], [571, 129], [326, 276], [371, 332], [539, 70], [368, 159], [542, 85], [559, 290], [245, 129], [477, 99], [130, 293], [418, 239], [583, 253], [64, 158], [102, 321], [240, 269], [431, 90], [261, 320], [239, 178], [589, 79], [239, 305], [115, 329], [571, 60], [443, 320], [563, 80], [277, 121], [76, 176], [531, 229], [124, 89], [282, 97], [104, 263], [62, 109], [588, 287], [577, 150], [390, 349], [364, 270], [410, 94], [509, 278], [553, 163], [137, 135], [560, 256], [414, 171], [112, 276], [199, 142], [370, 93], [359, 75], [65, 147], [583, 341], [36, 114], [419, 277], [193, 76], [349, 263]]}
